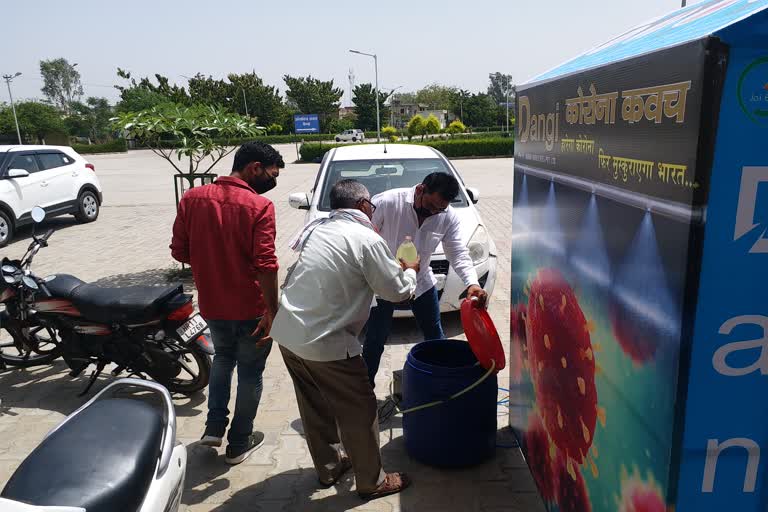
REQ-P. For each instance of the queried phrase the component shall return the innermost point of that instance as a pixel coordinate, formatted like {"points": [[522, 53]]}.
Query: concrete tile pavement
{"points": [[129, 245]]}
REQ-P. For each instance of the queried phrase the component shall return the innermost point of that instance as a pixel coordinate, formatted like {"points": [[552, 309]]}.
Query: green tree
{"points": [[36, 121], [480, 110], [500, 87], [458, 98], [144, 94], [416, 126], [455, 127], [61, 82], [245, 94], [339, 125], [405, 98], [90, 119], [199, 133], [312, 96], [432, 125], [436, 96], [364, 98]]}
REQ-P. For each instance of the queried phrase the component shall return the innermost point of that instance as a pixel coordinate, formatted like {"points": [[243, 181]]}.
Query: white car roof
{"points": [[376, 152], [31, 147]]}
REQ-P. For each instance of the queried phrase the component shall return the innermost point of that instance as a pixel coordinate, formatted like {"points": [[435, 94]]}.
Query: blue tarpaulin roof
{"points": [[681, 26]]}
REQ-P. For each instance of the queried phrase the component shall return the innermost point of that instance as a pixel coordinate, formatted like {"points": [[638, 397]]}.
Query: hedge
{"points": [[496, 146], [115, 146]]}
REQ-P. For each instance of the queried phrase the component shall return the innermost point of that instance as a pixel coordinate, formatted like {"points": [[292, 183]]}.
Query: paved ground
{"points": [[129, 245]]}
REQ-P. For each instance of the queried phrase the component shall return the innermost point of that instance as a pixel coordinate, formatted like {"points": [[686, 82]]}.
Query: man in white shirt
{"points": [[423, 213], [324, 306]]}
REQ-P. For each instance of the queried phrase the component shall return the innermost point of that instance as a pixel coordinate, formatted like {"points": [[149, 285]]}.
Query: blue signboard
{"points": [[726, 421], [306, 123]]}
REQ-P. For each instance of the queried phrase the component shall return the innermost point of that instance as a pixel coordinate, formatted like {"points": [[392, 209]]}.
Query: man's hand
{"points": [[262, 330], [475, 291], [413, 266]]}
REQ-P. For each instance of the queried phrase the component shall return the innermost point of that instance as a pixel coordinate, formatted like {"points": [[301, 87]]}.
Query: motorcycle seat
{"points": [[103, 459], [110, 305]]}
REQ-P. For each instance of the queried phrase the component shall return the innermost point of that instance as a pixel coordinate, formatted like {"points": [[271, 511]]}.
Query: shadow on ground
{"points": [[499, 484]]}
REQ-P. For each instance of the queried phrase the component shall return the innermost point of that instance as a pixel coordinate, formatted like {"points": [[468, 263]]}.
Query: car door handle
{"points": [[43, 184]]}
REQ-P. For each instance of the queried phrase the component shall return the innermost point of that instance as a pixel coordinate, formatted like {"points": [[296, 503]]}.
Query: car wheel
{"points": [[6, 229], [354, 139], [87, 207], [338, 139]]}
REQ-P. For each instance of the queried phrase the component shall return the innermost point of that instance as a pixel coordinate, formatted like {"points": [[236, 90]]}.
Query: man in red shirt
{"points": [[226, 232]]}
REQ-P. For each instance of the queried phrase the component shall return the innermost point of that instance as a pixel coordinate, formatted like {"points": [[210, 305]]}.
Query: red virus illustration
{"points": [[539, 452], [571, 494], [638, 495], [562, 364], [518, 349], [637, 339]]}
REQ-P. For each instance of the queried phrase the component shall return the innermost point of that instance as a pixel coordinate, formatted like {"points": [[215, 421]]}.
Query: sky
{"points": [[418, 42]]}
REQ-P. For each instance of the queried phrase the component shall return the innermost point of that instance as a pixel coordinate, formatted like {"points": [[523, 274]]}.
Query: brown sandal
{"points": [[344, 465], [393, 483]]}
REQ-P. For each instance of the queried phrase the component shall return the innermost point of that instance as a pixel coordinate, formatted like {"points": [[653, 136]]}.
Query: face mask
{"points": [[423, 212], [263, 186]]}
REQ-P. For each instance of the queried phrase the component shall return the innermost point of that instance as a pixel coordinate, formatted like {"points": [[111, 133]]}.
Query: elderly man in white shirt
{"points": [[424, 214], [324, 306]]}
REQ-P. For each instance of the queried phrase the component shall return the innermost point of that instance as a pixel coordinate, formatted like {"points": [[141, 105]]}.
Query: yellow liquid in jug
{"points": [[407, 252]]}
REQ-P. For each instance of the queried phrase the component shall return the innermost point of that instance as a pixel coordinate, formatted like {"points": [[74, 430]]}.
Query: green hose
{"points": [[455, 395]]}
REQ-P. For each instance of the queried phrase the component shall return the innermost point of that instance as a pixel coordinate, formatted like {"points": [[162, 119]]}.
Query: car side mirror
{"points": [[18, 173], [299, 200], [474, 194]]}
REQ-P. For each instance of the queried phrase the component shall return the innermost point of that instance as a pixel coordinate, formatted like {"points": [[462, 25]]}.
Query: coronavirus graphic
{"points": [[562, 365], [638, 495], [637, 338], [539, 452], [519, 347], [571, 494]]}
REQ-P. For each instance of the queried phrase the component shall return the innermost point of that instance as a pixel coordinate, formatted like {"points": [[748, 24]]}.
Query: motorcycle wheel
{"points": [[193, 380], [41, 346]]}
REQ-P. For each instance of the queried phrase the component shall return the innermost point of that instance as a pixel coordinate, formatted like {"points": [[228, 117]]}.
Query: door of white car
{"points": [[61, 175], [31, 190]]}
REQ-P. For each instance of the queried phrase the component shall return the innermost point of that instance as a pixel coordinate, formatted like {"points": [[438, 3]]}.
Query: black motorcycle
{"points": [[146, 331]]}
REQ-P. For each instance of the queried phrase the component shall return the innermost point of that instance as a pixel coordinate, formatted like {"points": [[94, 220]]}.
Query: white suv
{"points": [[53, 177], [351, 135]]}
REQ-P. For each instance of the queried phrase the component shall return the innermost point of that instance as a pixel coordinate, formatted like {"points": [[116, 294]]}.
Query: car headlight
{"points": [[478, 245]]}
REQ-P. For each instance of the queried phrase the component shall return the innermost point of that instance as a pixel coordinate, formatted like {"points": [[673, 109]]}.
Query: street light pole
{"points": [[506, 91], [376, 71], [246, 103], [8, 79]]}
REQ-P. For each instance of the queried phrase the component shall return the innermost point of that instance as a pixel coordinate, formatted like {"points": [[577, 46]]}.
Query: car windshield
{"points": [[381, 175]]}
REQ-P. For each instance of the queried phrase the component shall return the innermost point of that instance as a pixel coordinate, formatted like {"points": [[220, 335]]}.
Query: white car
{"points": [[400, 166], [53, 177], [351, 135]]}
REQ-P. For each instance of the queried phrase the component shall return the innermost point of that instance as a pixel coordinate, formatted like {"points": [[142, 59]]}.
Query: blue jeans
{"points": [[426, 309], [235, 348]]}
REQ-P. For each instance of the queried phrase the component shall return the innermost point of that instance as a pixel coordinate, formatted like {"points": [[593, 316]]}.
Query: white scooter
{"points": [[111, 455]]}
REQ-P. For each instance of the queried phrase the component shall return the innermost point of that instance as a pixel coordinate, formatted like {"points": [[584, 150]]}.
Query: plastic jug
{"points": [[407, 251]]}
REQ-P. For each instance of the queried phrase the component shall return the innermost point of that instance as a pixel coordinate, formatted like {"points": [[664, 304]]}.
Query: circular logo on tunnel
{"points": [[753, 90]]}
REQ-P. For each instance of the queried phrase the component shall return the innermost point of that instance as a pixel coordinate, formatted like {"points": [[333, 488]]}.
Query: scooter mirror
{"points": [[38, 214]]}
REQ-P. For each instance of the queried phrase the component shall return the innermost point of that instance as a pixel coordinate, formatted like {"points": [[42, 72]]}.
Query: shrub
{"points": [[432, 125], [115, 146], [390, 132], [415, 127], [489, 147], [455, 128], [274, 129]]}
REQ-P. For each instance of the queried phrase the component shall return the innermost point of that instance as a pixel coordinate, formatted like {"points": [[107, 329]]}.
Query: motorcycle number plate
{"points": [[192, 328]]}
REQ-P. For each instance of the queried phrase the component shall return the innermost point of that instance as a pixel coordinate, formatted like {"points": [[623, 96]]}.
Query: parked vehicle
{"points": [[383, 167], [56, 178], [353, 135], [144, 330], [112, 454]]}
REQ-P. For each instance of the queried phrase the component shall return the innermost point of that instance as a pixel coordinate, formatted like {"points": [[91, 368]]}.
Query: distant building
{"points": [[401, 113], [347, 112]]}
